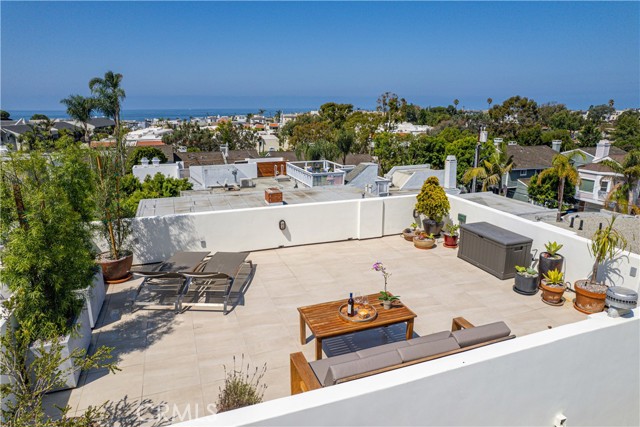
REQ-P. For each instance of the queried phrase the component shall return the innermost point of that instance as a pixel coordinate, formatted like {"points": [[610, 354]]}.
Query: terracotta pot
{"points": [[116, 270], [546, 264], [586, 301], [408, 234], [552, 294], [424, 244], [450, 241]]}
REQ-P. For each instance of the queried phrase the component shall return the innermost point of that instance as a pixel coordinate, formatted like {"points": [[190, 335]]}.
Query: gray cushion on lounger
{"points": [[479, 334], [360, 366], [430, 338], [320, 367], [419, 351], [381, 348]]}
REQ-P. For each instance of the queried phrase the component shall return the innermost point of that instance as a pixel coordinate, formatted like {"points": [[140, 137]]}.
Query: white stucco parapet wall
{"points": [[586, 371], [250, 229]]}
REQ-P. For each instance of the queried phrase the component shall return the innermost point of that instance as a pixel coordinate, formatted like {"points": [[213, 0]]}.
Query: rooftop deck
{"points": [[169, 359]]}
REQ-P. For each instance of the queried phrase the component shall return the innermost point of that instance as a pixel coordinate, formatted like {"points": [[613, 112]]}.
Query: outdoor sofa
{"points": [[464, 336]]}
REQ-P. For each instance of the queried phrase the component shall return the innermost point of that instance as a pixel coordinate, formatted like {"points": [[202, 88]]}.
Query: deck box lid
{"points": [[496, 234]]}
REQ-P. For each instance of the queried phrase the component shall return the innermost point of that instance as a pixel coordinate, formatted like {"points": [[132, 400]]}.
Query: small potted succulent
{"points": [[423, 240], [550, 259], [553, 287], [385, 296], [410, 232], [451, 235], [526, 281], [605, 245]]}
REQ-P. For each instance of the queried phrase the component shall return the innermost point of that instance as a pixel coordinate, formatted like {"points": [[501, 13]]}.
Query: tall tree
{"points": [[492, 170], [80, 108], [344, 142], [389, 106], [109, 94], [489, 101], [563, 168], [5, 115], [512, 116], [455, 103], [611, 102], [336, 114], [627, 133], [630, 171]]}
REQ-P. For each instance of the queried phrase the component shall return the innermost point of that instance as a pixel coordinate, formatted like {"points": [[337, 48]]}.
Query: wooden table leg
{"points": [[409, 329], [303, 331], [318, 348]]}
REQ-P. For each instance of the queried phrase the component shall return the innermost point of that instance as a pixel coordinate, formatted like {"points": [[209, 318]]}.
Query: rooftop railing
{"points": [[318, 173]]}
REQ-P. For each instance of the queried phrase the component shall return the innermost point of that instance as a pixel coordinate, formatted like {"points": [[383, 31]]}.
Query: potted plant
{"points": [[606, 244], [385, 296], [424, 241], [550, 259], [434, 204], [48, 257], [410, 232], [553, 287], [526, 281], [113, 215], [451, 235]]}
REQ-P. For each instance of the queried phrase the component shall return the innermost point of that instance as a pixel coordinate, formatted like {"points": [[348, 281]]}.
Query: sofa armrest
{"points": [[302, 376], [460, 323]]}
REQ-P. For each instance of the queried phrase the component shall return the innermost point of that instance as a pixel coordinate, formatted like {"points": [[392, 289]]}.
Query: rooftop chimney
{"points": [[450, 171], [556, 144], [497, 142], [144, 161], [155, 161], [602, 149]]}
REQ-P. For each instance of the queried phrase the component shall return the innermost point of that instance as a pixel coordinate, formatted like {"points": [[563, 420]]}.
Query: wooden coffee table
{"points": [[324, 321]]}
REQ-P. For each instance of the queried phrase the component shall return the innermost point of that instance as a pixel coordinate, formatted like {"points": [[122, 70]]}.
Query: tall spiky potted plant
{"points": [[113, 215], [606, 244]]}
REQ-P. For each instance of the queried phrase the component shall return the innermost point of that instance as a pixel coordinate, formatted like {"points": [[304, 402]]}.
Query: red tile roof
{"points": [[150, 143]]}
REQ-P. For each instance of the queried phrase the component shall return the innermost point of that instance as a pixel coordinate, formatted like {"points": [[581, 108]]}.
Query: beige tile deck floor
{"points": [[177, 360]]}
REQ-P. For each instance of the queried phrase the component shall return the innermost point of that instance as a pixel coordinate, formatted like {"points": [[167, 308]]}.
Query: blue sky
{"points": [[275, 55]]}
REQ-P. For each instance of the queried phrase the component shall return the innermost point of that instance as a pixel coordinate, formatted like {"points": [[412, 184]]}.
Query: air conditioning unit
{"points": [[247, 183]]}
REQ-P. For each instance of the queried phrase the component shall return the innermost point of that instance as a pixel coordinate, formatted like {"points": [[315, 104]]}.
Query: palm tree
{"points": [[344, 142], [80, 108], [489, 101], [109, 94], [492, 170], [630, 171], [611, 102], [563, 167], [456, 102]]}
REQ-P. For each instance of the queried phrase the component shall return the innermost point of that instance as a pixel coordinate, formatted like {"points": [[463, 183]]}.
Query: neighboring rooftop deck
{"points": [[178, 359]]}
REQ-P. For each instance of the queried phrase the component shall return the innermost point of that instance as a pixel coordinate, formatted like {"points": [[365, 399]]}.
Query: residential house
{"points": [[527, 162]]}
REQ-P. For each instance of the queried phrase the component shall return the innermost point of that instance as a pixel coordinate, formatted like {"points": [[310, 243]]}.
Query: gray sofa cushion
{"points": [[360, 366], [320, 367], [430, 338], [479, 334], [382, 349], [426, 349]]}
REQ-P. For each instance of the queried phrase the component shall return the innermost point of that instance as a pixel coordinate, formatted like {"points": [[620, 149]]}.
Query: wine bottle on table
{"points": [[350, 305]]}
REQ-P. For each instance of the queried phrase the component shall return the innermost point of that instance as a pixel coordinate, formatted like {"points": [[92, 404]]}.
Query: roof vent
{"points": [[144, 161], [620, 301], [155, 161]]}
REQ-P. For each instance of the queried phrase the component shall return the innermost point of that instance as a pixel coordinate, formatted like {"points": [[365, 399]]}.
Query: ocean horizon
{"points": [[165, 113]]}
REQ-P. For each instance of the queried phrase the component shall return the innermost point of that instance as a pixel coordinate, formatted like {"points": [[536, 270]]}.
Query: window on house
{"points": [[523, 172], [604, 186], [587, 185]]}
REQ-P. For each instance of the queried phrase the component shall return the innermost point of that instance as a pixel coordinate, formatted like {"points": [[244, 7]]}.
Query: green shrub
{"points": [[432, 200], [152, 188], [241, 388]]}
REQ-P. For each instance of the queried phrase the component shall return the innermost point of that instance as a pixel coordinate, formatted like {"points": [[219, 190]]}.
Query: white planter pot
{"points": [[80, 339], [94, 297]]}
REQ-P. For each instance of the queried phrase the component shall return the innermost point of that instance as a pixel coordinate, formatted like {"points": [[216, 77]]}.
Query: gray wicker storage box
{"points": [[494, 249]]}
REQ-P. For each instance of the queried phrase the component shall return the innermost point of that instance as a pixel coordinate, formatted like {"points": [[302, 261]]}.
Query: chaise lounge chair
{"points": [[221, 282], [166, 284]]}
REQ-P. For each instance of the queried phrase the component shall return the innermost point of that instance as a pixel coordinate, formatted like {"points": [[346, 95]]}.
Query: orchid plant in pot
{"points": [[385, 296]]}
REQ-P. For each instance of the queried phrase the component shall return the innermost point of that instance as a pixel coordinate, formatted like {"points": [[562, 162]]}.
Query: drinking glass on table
{"points": [[357, 298]]}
